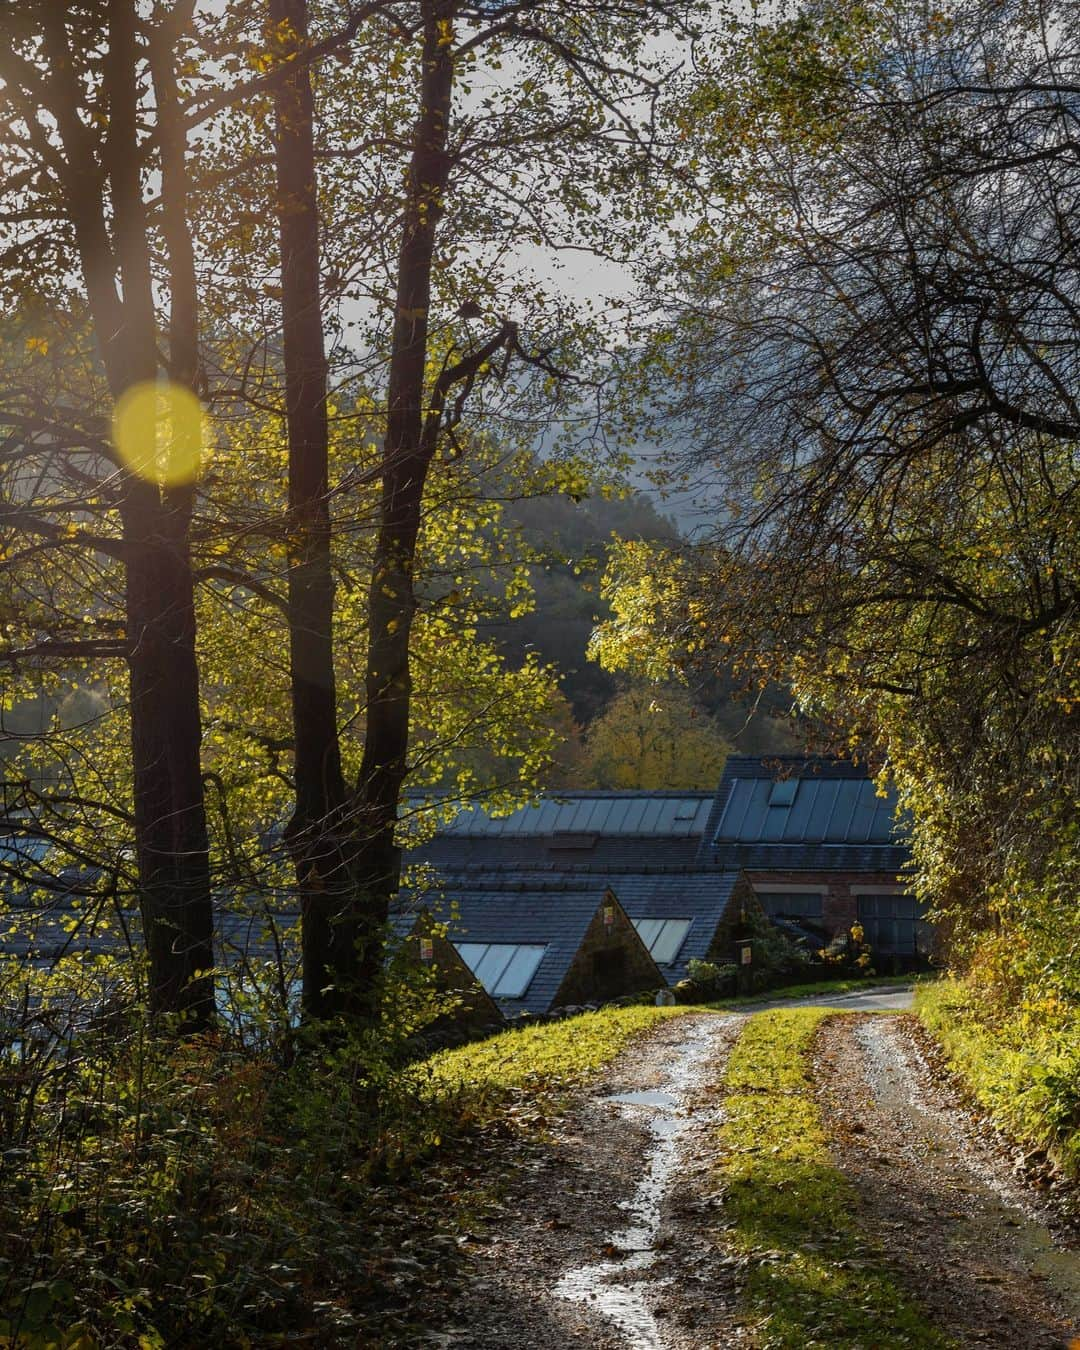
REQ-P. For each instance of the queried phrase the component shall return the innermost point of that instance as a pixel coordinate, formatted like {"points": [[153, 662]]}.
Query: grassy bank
{"points": [[549, 1057], [1021, 1062], [825, 987], [812, 1281], [319, 1203]]}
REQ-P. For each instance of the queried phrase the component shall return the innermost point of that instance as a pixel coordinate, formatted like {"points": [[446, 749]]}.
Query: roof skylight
{"points": [[505, 969], [663, 937]]}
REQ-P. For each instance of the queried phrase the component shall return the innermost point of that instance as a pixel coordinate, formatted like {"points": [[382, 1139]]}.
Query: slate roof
{"points": [[811, 858], [827, 816], [43, 931], [522, 910], [572, 832], [622, 814], [554, 853], [700, 894]]}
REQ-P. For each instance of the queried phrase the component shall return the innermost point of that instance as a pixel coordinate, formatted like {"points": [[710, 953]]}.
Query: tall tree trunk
{"points": [[407, 455], [348, 865], [166, 732], [318, 834]]}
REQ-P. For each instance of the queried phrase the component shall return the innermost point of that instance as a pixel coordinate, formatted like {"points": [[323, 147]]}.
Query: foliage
{"points": [[849, 952], [874, 370], [776, 958], [813, 1281], [314, 1195], [567, 542], [654, 738], [1021, 1062], [706, 981]]}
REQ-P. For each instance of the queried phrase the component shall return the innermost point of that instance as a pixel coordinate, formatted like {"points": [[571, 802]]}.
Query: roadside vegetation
{"points": [[898, 549], [813, 1280], [1021, 1063], [832, 987], [321, 1199]]}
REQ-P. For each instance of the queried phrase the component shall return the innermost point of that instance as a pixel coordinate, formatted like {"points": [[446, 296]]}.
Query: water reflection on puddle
{"points": [[618, 1287]]}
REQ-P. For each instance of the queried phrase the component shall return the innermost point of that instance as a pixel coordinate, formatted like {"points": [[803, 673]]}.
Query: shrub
{"points": [[1022, 1063], [707, 980]]}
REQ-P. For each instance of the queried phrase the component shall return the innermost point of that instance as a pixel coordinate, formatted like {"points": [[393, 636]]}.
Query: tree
{"points": [[91, 104], [345, 842], [880, 348], [654, 739], [441, 344]]}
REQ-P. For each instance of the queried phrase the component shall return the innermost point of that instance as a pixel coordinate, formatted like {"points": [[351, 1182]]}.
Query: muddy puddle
{"points": [[622, 1287]]}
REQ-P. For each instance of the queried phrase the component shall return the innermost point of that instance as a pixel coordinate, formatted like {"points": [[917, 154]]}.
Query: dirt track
{"points": [[612, 1236], [610, 1211], [972, 1241]]}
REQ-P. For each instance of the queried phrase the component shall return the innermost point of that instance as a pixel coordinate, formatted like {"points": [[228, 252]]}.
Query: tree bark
{"points": [[407, 456], [318, 833], [166, 732]]}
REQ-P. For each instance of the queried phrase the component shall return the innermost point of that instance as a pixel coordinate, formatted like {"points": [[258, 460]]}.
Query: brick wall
{"points": [[839, 908]]}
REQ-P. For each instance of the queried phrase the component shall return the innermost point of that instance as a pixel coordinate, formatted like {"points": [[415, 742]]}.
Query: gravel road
{"points": [[980, 1246], [612, 1237]]}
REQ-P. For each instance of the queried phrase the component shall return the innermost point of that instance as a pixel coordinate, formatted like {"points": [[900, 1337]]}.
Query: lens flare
{"points": [[158, 432]]}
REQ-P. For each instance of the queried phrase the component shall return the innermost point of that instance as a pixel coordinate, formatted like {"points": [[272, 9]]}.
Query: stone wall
{"points": [[611, 961], [428, 948], [733, 923]]}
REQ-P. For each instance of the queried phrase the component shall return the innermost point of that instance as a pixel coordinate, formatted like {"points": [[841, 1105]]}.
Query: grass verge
{"points": [[835, 987], [547, 1057], [813, 1281], [1021, 1063]]}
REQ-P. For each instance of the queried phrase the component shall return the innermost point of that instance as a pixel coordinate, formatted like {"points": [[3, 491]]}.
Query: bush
{"points": [[707, 981], [1022, 1063], [223, 1191], [777, 960], [263, 1184], [848, 954]]}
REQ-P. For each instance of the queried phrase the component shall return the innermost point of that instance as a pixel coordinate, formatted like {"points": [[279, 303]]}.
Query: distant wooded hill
{"points": [[573, 538]]}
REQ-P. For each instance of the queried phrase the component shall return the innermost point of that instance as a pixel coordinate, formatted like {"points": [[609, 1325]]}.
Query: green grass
{"points": [[1021, 1064], [550, 1056], [813, 1282], [851, 986]]}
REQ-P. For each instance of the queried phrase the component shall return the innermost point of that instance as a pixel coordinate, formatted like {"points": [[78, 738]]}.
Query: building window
{"points": [[504, 969], [783, 793], [778, 905], [663, 937], [891, 922]]}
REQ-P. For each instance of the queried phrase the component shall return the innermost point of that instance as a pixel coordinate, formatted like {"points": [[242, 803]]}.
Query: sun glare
{"points": [[158, 432]]}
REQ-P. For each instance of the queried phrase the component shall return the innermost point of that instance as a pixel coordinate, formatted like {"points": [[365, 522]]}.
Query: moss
{"points": [[813, 1281], [1022, 1063]]}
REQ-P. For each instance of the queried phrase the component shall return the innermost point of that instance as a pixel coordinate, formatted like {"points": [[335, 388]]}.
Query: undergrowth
{"points": [[212, 1193], [1021, 1060], [812, 1281]]}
